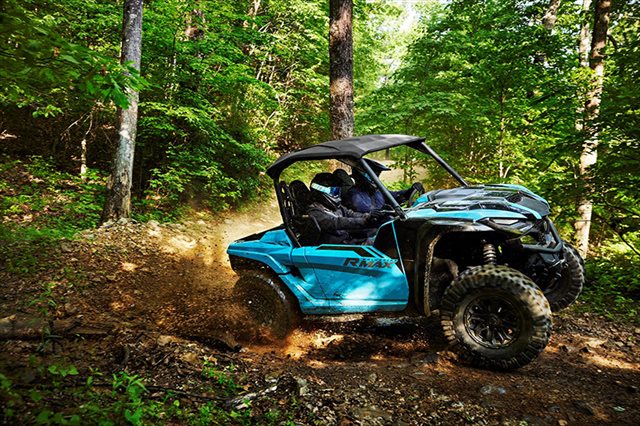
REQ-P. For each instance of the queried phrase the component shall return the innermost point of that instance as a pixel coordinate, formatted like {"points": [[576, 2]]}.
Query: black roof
{"points": [[345, 149]]}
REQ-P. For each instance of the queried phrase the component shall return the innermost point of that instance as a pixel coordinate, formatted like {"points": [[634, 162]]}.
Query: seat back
{"points": [[287, 202], [301, 197], [296, 200]]}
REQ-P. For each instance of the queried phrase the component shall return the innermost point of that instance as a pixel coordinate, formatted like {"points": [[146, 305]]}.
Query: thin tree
{"points": [[118, 204], [550, 18], [583, 46], [589, 154], [341, 68]]}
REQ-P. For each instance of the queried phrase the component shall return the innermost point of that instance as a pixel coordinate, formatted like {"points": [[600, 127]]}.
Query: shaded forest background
{"points": [[226, 87]]}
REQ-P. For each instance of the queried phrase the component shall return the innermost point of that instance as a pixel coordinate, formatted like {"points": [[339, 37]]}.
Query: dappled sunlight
{"points": [[129, 266], [589, 350], [610, 362], [359, 338], [4, 135], [378, 357], [128, 169], [155, 231], [117, 306], [593, 342]]}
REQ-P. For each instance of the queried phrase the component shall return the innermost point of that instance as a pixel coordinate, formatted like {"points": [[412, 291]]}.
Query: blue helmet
{"points": [[325, 189]]}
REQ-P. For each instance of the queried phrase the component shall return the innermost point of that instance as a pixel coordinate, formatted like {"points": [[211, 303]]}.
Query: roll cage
{"points": [[350, 151]]}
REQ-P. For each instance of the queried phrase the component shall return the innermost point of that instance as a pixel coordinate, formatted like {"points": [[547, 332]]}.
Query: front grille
{"points": [[540, 226]]}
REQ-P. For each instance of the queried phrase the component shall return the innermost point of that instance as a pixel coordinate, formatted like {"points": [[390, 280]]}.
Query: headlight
{"points": [[506, 222]]}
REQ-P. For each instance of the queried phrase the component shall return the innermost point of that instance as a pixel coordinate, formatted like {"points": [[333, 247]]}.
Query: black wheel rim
{"points": [[492, 322]]}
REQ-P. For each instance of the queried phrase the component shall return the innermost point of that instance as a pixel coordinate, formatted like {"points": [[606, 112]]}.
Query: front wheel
{"points": [[268, 302], [496, 317]]}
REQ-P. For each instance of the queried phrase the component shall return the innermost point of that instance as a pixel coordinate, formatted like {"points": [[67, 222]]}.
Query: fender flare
{"points": [[255, 260]]}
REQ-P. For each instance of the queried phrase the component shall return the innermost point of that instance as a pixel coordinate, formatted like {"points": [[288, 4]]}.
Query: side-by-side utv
{"points": [[486, 258]]}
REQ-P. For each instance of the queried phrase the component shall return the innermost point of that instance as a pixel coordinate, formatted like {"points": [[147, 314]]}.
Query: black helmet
{"points": [[325, 189], [362, 178], [376, 166]]}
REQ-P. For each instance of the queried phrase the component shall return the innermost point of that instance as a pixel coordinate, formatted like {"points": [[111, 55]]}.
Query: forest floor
{"points": [[153, 301]]}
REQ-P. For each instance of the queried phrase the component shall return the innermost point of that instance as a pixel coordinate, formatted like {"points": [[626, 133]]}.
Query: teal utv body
{"points": [[485, 258]]}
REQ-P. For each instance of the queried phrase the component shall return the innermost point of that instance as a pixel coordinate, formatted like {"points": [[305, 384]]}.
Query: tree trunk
{"points": [[583, 56], [254, 7], [583, 47], [589, 154], [118, 204], [501, 171], [84, 169], [341, 68], [549, 19]]}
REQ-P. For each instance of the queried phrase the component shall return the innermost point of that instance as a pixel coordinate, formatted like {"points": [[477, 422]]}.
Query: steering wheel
{"points": [[414, 195]]}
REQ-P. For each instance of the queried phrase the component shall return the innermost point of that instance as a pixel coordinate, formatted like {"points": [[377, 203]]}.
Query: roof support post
{"points": [[443, 163], [392, 201]]}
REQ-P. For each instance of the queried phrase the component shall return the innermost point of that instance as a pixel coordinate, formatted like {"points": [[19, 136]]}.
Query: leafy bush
{"points": [[39, 199], [40, 205], [202, 160], [122, 399], [613, 286]]}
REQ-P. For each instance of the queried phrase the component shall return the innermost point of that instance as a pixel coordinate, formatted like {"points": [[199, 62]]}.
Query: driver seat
{"points": [[296, 197], [300, 196]]}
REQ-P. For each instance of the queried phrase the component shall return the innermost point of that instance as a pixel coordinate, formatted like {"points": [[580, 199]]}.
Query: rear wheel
{"points": [[496, 317], [269, 303]]}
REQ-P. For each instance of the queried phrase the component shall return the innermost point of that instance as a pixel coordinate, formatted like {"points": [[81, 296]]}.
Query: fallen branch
{"points": [[240, 402], [35, 328]]}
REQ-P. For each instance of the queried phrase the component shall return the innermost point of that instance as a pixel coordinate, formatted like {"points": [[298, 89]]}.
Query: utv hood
{"points": [[492, 200]]}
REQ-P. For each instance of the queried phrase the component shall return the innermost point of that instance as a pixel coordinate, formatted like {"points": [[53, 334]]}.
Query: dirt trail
{"points": [[164, 293]]}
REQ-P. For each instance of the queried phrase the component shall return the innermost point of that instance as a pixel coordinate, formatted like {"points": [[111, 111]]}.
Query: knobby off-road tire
{"points": [[565, 290], [269, 303], [496, 317]]}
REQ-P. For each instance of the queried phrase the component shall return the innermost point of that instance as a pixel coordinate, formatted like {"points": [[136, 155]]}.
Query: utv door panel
{"points": [[309, 282], [359, 278]]}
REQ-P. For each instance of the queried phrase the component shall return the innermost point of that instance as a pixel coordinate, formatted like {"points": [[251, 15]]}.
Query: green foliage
{"points": [[380, 36], [615, 177], [227, 88], [222, 378], [10, 397], [482, 81], [224, 85], [39, 206], [124, 399], [46, 201], [305, 171], [614, 286], [42, 67], [499, 96], [45, 302], [133, 388], [209, 164]]}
